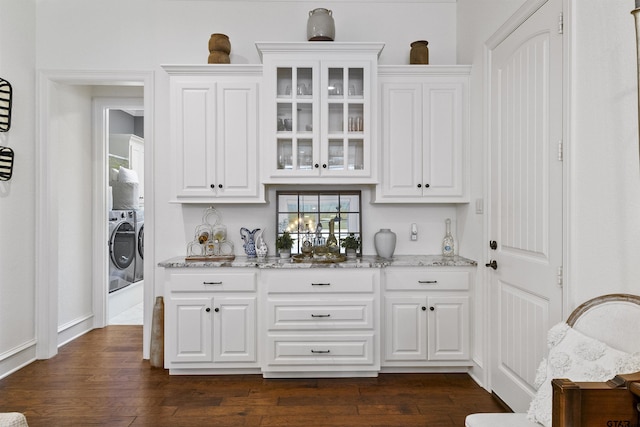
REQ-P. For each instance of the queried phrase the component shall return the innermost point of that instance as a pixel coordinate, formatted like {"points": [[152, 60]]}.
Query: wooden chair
{"points": [[614, 320]]}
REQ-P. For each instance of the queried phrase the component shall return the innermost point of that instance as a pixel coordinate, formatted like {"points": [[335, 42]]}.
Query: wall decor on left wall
{"points": [[6, 154]]}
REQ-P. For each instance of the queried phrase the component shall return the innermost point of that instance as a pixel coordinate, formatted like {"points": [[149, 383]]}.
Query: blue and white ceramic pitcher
{"points": [[249, 241]]}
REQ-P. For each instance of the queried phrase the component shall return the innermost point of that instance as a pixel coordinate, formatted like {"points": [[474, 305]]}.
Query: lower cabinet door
{"points": [[188, 330], [448, 331], [405, 328], [234, 329]]}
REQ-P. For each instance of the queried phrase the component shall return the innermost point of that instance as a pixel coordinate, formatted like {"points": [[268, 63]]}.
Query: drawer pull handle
{"points": [[320, 315], [212, 283], [427, 282], [321, 284], [321, 351]]}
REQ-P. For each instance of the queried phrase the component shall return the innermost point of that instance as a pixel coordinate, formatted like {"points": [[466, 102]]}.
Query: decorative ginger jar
{"points": [[320, 25], [385, 243]]}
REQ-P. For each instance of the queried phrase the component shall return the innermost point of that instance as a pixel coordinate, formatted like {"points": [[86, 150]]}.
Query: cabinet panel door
{"points": [[443, 130], [194, 116], [448, 328], [405, 328], [401, 117], [188, 330], [234, 329], [236, 171]]}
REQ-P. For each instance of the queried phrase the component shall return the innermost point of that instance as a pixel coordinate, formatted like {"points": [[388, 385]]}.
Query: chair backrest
{"points": [[612, 319]]}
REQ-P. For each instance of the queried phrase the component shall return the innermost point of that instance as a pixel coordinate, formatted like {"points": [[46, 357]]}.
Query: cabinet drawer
{"points": [[320, 350], [426, 280], [315, 315], [209, 281], [321, 280]]}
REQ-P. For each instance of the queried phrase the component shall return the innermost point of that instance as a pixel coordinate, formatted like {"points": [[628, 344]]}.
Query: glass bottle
{"points": [[448, 243], [332, 242]]}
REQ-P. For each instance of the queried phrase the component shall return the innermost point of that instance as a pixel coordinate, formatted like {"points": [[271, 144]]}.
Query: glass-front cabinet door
{"points": [[297, 113], [347, 118], [318, 124]]}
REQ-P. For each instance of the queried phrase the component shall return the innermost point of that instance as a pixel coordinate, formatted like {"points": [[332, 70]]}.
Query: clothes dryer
{"points": [[122, 249], [139, 270]]}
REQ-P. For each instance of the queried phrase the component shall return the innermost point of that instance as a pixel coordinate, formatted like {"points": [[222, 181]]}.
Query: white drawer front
{"points": [[321, 280], [213, 281], [315, 315], [320, 350], [426, 280]]}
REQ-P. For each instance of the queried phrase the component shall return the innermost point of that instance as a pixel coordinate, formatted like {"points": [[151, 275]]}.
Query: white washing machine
{"points": [[139, 270], [122, 249]]}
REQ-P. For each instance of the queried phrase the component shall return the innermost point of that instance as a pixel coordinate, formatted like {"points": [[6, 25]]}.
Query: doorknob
{"points": [[493, 264]]}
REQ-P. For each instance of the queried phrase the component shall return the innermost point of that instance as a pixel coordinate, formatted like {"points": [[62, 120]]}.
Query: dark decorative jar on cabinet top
{"points": [[419, 52]]}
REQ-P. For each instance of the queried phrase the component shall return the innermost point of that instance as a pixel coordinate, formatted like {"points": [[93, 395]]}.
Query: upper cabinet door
{"points": [[318, 126], [214, 131], [402, 141], [424, 126]]}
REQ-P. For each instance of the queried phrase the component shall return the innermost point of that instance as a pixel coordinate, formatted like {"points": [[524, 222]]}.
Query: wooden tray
{"points": [[212, 258], [302, 258]]}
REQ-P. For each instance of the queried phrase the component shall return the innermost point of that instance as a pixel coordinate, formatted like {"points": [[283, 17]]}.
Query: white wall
{"points": [[605, 196], [72, 131], [17, 202]]}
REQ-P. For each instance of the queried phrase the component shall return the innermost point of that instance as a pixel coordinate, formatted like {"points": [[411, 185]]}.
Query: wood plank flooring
{"points": [[101, 379]]}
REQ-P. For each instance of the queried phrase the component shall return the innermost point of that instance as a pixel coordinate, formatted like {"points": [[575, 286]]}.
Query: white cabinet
{"points": [[321, 322], [426, 313], [210, 320], [424, 153], [214, 129], [318, 121]]}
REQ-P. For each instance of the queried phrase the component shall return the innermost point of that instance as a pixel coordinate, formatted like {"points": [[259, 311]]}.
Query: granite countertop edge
{"points": [[366, 261]]}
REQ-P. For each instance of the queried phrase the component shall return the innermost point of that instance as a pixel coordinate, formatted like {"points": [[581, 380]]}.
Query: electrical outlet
{"points": [[414, 232]]}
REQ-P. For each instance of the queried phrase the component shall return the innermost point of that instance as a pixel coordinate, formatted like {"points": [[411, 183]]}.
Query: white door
{"points": [[525, 200]]}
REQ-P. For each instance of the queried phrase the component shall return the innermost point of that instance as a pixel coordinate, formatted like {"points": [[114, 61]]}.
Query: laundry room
{"points": [[125, 196]]}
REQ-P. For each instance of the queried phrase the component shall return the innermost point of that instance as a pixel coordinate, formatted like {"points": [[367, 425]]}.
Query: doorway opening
{"points": [[72, 249], [123, 134]]}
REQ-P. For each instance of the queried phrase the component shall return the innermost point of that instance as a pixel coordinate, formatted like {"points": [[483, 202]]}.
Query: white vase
{"points": [[285, 253], [385, 242]]}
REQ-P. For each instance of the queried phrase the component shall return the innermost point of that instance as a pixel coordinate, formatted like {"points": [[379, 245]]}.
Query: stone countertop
{"points": [[366, 261]]}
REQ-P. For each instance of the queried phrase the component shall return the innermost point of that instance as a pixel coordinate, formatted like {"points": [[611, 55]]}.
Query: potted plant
{"points": [[351, 244], [284, 242]]}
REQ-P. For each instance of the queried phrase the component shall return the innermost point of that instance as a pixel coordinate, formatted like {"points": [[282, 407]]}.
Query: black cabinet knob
{"points": [[424, 308], [216, 309], [213, 186], [419, 185], [219, 185], [432, 308], [324, 165], [316, 166], [207, 309], [426, 186]]}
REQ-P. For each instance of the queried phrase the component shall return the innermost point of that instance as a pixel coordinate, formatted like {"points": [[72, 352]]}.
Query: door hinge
{"points": [[561, 23], [559, 274], [560, 150]]}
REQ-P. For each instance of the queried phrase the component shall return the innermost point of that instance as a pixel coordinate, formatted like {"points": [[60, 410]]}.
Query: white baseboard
{"points": [[72, 330], [17, 358]]}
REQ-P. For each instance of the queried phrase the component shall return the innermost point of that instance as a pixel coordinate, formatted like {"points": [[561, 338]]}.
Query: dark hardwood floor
{"points": [[101, 379]]}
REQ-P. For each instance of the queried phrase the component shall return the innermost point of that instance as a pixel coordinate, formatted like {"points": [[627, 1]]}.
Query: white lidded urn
{"points": [[385, 242], [320, 25]]}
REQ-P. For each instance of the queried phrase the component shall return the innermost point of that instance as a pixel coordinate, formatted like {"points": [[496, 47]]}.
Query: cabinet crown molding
{"points": [[333, 47], [214, 69], [424, 70]]}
